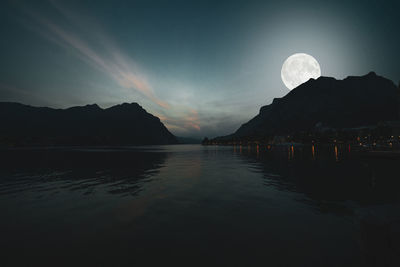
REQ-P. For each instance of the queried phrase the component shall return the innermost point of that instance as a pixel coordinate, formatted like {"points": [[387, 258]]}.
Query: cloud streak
{"points": [[187, 121], [84, 37], [116, 66]]}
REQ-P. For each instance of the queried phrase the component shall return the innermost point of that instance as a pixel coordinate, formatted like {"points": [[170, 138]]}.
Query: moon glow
{"points": [[299, 68]]}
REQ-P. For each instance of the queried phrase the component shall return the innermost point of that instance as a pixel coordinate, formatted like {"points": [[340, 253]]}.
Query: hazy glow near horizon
{"points": [[203, 68], [299, 68]]}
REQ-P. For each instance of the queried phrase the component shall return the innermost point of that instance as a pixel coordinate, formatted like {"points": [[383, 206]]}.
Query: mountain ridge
{"points": [[123, 124], [352, 102]]}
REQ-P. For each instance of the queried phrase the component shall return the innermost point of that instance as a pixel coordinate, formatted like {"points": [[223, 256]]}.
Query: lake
{"points": [[198, 205]]}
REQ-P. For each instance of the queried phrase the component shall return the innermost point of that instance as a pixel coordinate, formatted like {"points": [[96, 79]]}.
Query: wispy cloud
{"points": [[116, 65], [182, 122], [84, 36]]}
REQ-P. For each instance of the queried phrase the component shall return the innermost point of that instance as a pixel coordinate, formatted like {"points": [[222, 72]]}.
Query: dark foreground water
{"points": [[191, 205]]}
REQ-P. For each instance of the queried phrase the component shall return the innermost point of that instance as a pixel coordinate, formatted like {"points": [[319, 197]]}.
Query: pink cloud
{"points": [[182, 123], [116, 66]]}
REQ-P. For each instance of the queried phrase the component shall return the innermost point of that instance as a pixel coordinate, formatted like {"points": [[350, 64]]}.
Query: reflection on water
{"points": [[116, 171], [264, 205], [313, 151], [332, 173], [337, 181]]}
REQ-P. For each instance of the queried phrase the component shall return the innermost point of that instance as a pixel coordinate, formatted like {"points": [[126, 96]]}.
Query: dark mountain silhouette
{"points": [[125, 124], [325, 102]]}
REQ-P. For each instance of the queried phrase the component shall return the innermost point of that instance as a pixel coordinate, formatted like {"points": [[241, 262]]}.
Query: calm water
{"points": [[193, 205]]}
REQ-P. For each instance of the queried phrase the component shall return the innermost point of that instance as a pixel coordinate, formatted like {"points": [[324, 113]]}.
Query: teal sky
{"points": [[203, 67]]}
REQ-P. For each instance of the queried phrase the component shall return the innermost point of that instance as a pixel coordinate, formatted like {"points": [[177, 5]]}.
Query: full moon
{"points": [[299, 68]]}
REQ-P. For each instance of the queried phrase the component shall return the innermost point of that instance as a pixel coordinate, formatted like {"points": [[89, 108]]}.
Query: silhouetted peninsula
{"points": [[125, 124], [324, 104]]}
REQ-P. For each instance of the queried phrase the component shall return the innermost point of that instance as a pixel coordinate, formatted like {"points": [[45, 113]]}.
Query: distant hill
{"points": [[326, 102], [125, 124], [188, 140]]}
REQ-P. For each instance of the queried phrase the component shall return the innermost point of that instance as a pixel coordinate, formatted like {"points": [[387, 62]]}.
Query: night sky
{"points": [[203, 67]]}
